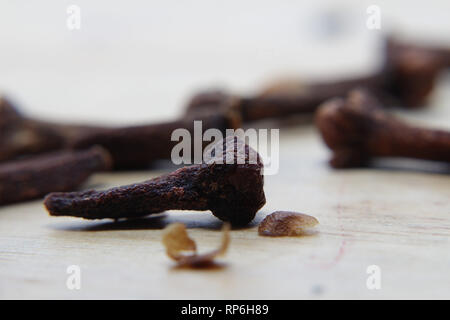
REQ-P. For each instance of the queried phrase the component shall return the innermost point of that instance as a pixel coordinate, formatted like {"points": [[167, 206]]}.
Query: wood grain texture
{"points": [[398, 220]]}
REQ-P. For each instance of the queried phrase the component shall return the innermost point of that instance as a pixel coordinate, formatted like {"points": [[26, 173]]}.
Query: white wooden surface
{"points": [[140, 61]]}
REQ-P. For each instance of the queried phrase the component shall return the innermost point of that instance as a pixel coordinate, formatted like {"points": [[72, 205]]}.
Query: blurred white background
{"points": [[139, 61]]}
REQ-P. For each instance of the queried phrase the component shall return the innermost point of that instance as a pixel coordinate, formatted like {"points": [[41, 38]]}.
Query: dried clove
{"points": [[23, 136], [20, 136], [357, 129], [411, 70], [286, 224], [57, 171], [406, 78], [138, 146], [279, 100], [131, 147], [232, 191]]}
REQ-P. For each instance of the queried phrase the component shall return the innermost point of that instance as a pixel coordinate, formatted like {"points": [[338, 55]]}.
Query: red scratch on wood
{"points": [[343, 245]]}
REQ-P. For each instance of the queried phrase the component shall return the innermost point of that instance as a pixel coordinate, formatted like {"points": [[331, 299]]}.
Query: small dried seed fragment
{"points": [[286, 224], [177, 243], [176, 240]]}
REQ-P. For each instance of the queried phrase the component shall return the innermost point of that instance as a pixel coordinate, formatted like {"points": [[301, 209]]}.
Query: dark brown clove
{"points": [[19, 136], [357, 129], [412, 70], [406, 78], [280, 100], [58, 171], [131, 147], [23, 136], [287, 99], [233, 192], [137, 147]]}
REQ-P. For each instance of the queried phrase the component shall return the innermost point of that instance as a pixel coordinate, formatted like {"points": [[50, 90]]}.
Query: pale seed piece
{"points": [[286, 224], [176, 240]]}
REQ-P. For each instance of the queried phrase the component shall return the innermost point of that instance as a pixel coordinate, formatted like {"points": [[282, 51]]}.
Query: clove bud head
{"points": [[357, 129], [346, 126]]}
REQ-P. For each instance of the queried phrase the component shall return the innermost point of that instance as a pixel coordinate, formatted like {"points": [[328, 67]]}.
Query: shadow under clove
{"points": [[412, 165], [153, 222], [210, 266]]}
